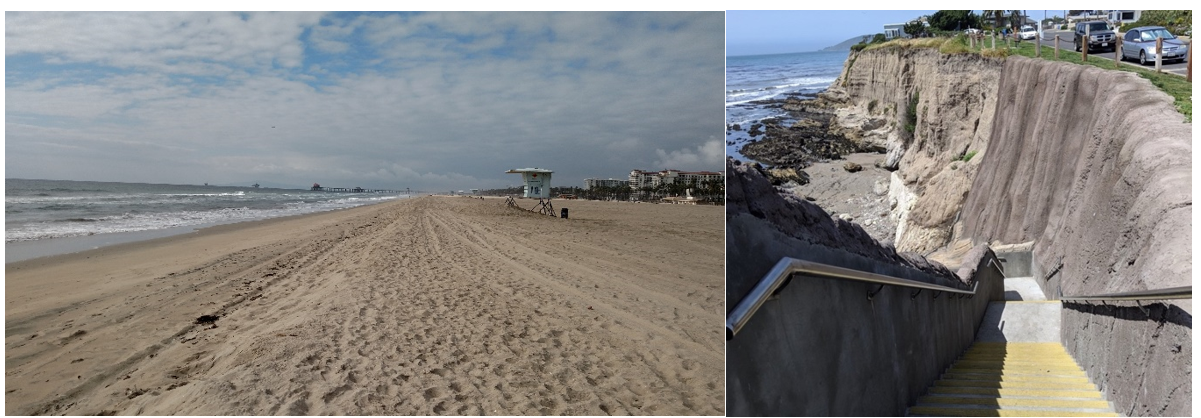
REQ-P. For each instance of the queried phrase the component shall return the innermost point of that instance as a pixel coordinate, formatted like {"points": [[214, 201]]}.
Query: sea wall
{"points": [[951, 99], [822, 345], [1094, 166]]}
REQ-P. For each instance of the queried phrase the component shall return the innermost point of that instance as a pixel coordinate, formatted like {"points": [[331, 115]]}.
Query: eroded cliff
{"points": [[930, 111], [1091, 165]]}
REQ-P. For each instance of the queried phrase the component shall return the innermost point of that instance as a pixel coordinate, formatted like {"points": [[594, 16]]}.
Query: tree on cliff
{"points": [[956, 20], [997, 16], [916, 29]]}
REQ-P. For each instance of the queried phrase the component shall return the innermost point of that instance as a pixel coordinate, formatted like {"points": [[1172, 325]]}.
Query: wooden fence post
{"points": [[1117, 52], [1159, 54], [1038, 44], [1057, 47], [1084, 45], [994, 39]]}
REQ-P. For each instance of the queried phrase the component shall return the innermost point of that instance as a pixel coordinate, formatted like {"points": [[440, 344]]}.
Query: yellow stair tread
{"points": [[1015, 365], [981, 374], [1003, 402], [1089, 393], [977, 412], [1015, 384]]}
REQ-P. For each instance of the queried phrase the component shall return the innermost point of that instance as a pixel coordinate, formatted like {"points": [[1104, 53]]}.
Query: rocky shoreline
{"points": [[802, 138], [810, 155]]}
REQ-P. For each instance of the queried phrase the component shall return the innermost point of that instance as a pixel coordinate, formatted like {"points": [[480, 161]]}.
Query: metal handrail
{"points": [[1182, 292], [787, 266]]}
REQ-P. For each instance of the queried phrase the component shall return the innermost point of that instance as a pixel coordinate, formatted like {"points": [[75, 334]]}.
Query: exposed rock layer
{"points": [[950, 99]]}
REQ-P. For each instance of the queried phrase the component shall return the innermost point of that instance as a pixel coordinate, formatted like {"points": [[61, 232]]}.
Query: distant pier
{"points": [[319, 188]]}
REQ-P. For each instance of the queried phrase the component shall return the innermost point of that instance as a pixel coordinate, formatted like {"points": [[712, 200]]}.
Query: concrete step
{"points": [[1017, 365], [1011, 347], [1008, 392], [959, 411], [1035, 321], [1012, 384], [1014, 379], [1003, 376], [1064, 403], [1023, 288]]}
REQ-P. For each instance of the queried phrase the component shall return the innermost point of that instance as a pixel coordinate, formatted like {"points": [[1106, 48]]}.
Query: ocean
{"points": [[50, 209], [752, 79]]}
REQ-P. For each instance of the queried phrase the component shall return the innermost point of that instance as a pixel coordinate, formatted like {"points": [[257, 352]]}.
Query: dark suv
{"points": [[1099, 34]]}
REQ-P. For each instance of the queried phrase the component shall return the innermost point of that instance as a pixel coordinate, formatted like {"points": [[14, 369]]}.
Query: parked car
{"points": [[1028, 32], [1140, 43], [973, 31], [1100, 36]]}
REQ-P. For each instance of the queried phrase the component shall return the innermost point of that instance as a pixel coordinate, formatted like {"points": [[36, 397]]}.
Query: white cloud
{"points": [[405, 100], [707, 156]]}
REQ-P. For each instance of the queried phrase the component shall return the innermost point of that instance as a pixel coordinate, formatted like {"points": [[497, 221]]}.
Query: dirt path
{"points": [[429, 306]]}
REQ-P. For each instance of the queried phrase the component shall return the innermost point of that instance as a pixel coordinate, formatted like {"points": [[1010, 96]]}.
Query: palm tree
{"points": [[996, 15]]}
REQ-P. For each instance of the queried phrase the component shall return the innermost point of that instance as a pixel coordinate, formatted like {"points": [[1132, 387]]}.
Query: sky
{"points": [[428, 101], [783, 31]]}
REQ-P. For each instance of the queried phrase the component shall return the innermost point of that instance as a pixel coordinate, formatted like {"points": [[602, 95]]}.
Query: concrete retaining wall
{"points": [[822, 348]]}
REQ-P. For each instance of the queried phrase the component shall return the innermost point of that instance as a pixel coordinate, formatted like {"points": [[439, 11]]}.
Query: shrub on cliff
{"points": [[956, 45], [995, 53], [911, 114]]}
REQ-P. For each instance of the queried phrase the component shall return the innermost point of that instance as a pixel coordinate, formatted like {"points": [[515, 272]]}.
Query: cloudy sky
{"points": [[430, 101]]}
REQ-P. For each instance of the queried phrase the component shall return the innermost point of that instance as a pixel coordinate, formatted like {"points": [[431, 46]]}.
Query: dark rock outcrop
{"points": [[749, 191], [799, 144]]}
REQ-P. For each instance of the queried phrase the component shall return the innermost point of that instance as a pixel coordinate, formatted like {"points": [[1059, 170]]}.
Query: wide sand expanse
{"points": [[434, 305]]}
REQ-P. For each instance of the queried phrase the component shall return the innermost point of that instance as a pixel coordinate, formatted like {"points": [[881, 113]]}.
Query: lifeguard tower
{"points": [[537, 186]]}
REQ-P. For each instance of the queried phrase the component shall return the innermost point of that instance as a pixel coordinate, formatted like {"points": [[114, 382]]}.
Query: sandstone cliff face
{"points": [[955, 97], [1095, 166], [1092, 165], [1088, 158]]}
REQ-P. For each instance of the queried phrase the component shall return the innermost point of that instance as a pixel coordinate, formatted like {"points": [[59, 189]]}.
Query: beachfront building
{"points": [[590, 183], [894, 30], [642, 178]]}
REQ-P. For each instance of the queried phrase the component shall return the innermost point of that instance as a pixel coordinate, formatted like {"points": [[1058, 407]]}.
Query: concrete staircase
{"points": [[1016, 367]]}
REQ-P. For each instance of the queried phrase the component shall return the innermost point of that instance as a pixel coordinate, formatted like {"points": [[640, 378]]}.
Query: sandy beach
{"points": [[427, 306]]}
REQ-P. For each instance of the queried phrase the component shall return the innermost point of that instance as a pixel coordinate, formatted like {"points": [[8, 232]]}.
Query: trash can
{"points": [[563, 213]]}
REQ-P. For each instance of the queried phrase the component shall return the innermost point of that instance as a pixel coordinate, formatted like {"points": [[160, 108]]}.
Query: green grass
{"points": [[968, 157]]}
